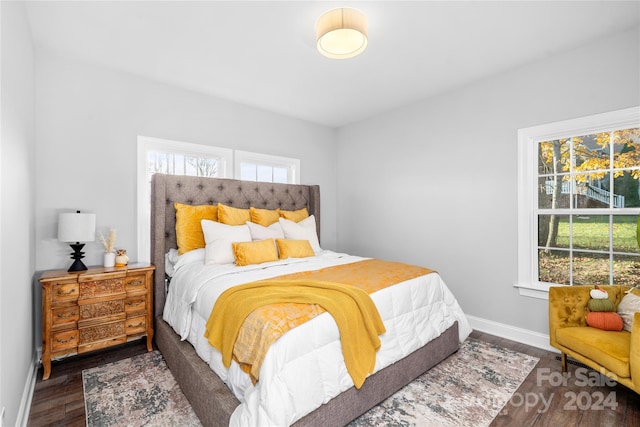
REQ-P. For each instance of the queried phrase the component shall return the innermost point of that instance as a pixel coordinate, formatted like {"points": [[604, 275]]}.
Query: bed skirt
{"points": [[214, 403]]}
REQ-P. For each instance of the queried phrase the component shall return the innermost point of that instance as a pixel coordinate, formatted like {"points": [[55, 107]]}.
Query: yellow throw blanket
{"points": [[266, 324], [355, 313]]}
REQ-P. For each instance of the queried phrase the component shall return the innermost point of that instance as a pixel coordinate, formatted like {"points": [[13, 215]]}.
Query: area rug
{"points": [[469, 388], [139, 391]]}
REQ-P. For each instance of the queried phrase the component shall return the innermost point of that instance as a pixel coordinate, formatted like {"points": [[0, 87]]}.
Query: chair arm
{"points": [[634, 353]]}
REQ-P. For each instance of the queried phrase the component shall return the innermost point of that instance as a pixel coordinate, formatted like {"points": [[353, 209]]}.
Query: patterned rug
{"points": [[469, 388], [139, 391]]}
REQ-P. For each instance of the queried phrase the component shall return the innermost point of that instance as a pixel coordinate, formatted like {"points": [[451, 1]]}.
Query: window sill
{"points": [[538, 291]]}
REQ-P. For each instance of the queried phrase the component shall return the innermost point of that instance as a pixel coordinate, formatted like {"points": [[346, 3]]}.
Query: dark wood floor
{"points": [[581, 399], [59, 400], [543, 399]]}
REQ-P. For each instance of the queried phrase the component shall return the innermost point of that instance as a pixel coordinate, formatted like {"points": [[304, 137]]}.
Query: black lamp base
{"points": [[77, 256]]}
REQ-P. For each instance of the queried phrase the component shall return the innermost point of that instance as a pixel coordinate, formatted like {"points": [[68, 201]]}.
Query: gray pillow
{"points": [[629, 305]]}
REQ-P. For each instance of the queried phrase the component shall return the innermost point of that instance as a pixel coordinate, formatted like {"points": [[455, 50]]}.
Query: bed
{"points": [[213, 401]]}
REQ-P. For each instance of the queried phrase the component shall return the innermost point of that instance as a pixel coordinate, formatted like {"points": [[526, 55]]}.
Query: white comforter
{"points": [[304, 368]]}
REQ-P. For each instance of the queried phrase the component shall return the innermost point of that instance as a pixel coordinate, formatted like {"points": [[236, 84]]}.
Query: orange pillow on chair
{"points": [[605, 320]]}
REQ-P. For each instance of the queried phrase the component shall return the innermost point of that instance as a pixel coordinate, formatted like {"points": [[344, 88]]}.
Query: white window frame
{"points": [[292, 165], [528, 139], [147, 144]]}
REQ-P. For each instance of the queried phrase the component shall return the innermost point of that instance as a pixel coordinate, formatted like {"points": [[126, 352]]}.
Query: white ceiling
{"points": [[263, 53]]}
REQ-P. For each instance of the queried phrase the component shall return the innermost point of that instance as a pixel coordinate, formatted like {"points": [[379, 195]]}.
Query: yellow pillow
{"points": [[233, 216], [189, 234], [257, 252], [295, 216], [264, 217], [294, 248]]}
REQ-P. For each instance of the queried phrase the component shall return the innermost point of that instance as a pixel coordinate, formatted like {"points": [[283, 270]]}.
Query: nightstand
{"points": [[83, 311]]}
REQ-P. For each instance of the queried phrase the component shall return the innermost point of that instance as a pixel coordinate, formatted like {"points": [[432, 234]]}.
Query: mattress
{"points": [[304, 368]]}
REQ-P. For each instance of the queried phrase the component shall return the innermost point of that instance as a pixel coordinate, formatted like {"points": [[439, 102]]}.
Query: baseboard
{"points": [[27, 395], [512, 333]]}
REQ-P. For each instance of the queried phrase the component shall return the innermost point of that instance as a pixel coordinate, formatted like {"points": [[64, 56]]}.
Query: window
{"points": [[175, 158], [266, 168], [182, 158], [578, 202]]}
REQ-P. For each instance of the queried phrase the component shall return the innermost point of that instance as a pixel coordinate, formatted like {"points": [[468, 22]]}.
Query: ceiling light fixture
{"points": [[341, 33]]}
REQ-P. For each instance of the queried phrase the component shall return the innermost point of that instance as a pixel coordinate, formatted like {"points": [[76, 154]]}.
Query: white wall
{"points": [[435, 183], [88, 120], [17, 252]]}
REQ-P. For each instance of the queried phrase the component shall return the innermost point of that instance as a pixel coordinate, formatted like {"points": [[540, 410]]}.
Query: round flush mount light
{"points": [[341, 33]]}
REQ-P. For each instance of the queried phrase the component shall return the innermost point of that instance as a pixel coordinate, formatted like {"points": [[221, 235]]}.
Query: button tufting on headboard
{"points": [[168, 189]]}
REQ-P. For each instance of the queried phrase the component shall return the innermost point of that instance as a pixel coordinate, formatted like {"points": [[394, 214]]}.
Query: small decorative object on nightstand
{"points": [[121, 258], [96, 308], [109, 247]]}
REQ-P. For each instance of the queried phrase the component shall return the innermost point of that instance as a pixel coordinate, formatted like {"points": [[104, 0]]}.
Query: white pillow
{"points": [[194, 255], [260, 232], [218, 238], [629, 305], [303, 230]]}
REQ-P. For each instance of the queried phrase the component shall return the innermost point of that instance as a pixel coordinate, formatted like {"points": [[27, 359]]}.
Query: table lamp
{"points": [[77, 229]]}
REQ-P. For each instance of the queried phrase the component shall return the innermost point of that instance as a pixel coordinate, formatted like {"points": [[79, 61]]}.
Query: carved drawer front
{"points": [[136, 325], [64, 315], [64, 292], [135, 303], [136, 283], [101, 288], [102, 309], [64, 340], [102, 332]]}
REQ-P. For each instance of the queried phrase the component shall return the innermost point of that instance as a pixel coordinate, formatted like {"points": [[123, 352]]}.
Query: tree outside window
{"points": [[586, 187]]}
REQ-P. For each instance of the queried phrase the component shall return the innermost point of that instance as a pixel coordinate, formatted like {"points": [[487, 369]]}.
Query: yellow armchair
{"points": [[615, 354]]}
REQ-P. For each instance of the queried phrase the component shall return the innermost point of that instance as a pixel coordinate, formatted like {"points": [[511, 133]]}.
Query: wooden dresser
{"points": [[100, 307]]}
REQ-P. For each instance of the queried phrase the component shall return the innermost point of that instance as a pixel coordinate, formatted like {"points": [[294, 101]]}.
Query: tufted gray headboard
{"points": [[167, 189]]}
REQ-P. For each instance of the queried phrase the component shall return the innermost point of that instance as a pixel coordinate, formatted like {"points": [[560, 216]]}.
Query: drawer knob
{"points": [[136, 282], [69, 292], [136, 326], [135, 303]]}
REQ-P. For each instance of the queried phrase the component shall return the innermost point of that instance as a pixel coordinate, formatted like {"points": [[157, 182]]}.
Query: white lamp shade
{"points": [[77, 227], [341, 33]]}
